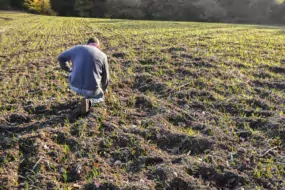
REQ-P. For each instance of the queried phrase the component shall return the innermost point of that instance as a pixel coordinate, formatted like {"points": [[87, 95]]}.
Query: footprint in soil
{"points": [[169, 178], [146, 82], [220, 177], [150, 161], [177, 143], [66, 139], [179, 184], [143, 102]]}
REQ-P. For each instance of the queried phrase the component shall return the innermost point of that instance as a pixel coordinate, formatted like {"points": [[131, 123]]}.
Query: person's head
{"points": [[94, 42]]}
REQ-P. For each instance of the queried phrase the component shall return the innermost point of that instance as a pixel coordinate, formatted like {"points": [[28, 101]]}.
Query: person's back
{"points": [[88, 67], [89, 74]]}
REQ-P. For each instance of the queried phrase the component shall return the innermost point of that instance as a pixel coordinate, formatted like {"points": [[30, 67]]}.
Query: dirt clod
{"points": [[19, 118]]}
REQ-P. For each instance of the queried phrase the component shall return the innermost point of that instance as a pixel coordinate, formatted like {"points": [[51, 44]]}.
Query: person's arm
{"points": [[64, 58], [105, 75]]}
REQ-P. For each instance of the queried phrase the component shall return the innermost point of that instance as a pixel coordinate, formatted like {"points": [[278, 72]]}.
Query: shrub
{"points": [[39, 6]]}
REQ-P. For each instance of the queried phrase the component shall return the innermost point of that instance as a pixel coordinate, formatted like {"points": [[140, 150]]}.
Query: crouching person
{"points": [[88, 75]]}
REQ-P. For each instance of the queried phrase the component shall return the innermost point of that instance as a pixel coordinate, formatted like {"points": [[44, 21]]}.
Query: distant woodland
{"points": [[233, 11]]}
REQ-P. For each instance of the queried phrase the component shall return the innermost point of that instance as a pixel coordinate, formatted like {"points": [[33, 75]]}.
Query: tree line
{"points": [[235, 11]]}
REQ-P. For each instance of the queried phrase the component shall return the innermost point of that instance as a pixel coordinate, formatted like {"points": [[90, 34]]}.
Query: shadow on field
{"points": [[52, 109], [32, 127], [57, 115], [6, 19]]}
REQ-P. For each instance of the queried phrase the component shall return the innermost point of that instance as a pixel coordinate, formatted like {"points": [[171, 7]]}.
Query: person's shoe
{"points": [[81, 110], [84, 106]]}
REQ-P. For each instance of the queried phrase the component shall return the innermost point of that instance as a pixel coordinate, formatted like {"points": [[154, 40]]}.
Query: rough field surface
{"points": [[190, 106]]}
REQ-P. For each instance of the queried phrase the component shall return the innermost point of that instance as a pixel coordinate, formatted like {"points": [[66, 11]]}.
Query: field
{"points": [[190, 106]]}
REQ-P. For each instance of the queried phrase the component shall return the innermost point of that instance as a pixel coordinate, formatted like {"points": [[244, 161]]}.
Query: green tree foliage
{"points": [[63, 7], [124, 9], [100, 8], [236, 11], [84, 8], [171, 10], [17, 3], [278, 13], [210, 10], [4, 4]]}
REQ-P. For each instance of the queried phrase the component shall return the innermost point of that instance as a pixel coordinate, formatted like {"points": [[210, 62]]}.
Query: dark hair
{"points": [[93, 41]]}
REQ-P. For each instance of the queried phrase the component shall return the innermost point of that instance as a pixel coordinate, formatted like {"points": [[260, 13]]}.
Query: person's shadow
{"points": [[54, 115]]}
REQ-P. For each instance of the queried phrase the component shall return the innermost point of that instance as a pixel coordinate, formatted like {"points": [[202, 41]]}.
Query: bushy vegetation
{"points": [[39, 6], [190, 106]]}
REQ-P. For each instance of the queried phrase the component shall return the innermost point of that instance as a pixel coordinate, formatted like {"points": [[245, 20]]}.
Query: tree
{"points": [[124, 9], [84, 8], [39, 6], [99, 8], [17, 4], [241, 11], [211, 10], [278, 13], [63, 7], [4, 4], [260, 10]]}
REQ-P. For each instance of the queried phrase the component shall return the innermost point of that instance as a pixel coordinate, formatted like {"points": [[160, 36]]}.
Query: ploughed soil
{"points": [[179, 124]]}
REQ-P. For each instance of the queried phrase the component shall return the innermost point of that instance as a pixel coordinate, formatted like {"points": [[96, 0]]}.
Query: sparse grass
{"points": [[181, 95]]}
